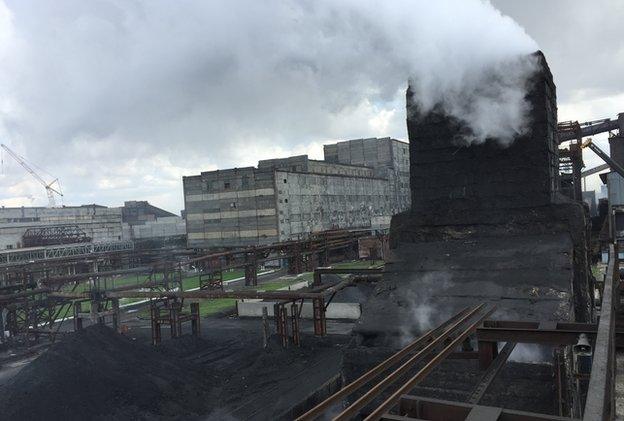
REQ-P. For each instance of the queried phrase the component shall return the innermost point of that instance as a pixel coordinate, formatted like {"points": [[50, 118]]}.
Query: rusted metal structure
{"points": [[171, 312], [441, 342], [588, 128], [37, 297], [53, 235], [571, 159]]}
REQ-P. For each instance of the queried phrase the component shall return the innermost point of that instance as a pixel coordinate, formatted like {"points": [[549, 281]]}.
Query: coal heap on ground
{"points": [[97, 373]]}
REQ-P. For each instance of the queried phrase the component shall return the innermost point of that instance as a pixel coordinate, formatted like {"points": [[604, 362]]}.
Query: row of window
{"points": [[220, 185]]}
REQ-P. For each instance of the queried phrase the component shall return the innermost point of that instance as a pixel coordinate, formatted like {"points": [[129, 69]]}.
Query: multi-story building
{"points": [[360, 184]]}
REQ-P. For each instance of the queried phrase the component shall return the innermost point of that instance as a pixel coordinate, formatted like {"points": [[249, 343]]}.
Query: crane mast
{"points": [[48, 186]]}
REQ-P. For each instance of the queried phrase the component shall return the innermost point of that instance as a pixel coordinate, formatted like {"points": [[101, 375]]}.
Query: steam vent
{"points": [[487, 224]]}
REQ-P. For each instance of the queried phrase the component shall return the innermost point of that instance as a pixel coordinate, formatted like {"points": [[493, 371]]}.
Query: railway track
{"points": [[425, 352]]}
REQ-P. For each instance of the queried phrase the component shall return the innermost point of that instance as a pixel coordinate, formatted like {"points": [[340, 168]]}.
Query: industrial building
{"points": [[136, 221], [361, 183], [99, 223], [149, 226]]}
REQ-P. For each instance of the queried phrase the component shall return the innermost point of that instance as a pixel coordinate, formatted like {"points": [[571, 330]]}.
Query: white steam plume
{"points": [[422, 315], [464, 56], [219, 82]]}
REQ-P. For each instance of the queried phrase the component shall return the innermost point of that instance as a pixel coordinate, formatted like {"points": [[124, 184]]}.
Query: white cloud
{"points": [[120, 99]]}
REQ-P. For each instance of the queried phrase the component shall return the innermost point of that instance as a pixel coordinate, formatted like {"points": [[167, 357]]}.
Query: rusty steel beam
{"points": [[422, 408], [320, 271], [491, 372], [148, 269], [378, 369], [549, 333], [589, 129], [88, 275], [269, 295], [342, 240], [437, 359], [374, 392], [130, 291], [23, 294]]}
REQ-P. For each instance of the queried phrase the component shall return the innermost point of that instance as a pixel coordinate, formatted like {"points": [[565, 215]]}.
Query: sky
{"points": [[119, 99]]}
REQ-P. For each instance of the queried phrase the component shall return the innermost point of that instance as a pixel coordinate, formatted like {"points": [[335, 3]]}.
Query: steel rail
{"points": [[376, 390], [409, 385], [377, 370], [490, 374]]}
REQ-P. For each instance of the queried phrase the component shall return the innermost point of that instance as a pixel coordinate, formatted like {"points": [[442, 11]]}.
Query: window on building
{"points": [[226, 185], [233, 205], [245, 181], [285, 200], [285, 181]]}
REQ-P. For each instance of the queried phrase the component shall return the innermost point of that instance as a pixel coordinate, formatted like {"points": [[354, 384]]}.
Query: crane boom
{"points": [[606, 158], [589, 128], [48, 186]]}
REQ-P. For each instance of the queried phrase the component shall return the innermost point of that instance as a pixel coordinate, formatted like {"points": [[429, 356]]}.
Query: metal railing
{"points": [[600, 403]]}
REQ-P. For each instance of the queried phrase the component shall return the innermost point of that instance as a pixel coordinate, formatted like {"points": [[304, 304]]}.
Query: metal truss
{"points": [[60, 251]]}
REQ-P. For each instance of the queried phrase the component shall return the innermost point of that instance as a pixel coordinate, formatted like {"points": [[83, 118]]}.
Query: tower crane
{"points": [[50, 190]]}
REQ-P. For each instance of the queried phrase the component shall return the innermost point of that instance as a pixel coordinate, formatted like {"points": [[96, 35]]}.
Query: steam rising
{"points": [[491, 102], [225, 83], [422, 315]]}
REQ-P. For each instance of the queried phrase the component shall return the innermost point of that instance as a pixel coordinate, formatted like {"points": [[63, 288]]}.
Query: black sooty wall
{"points": [[487, 224], [451, 180]]}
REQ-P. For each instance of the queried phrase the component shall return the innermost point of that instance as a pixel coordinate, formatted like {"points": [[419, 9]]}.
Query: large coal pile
{"points": [[99, 374]]}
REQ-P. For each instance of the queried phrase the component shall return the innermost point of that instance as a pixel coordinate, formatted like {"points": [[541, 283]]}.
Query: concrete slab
{"points": [[337, 311]]}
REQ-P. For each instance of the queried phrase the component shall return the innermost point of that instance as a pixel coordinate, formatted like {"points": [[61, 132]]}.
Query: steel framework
{"points": [[61, 251], [54, 235]]}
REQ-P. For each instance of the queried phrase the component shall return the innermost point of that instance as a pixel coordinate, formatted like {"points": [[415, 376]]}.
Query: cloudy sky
{"points": [[119, 99]]}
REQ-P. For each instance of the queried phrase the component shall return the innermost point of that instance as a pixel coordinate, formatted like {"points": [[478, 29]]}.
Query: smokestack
{"points": [[458, 182]]}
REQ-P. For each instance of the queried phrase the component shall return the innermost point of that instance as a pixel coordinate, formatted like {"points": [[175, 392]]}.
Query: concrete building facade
{"points": [[136, 221], [100, 223], [146, 224], [360, 184]]}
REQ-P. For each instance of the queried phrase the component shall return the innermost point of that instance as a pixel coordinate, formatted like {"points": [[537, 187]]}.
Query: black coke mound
{"points": [[97, 373]]}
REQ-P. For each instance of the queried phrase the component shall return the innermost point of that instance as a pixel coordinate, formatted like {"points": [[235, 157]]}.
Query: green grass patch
{"points": [[212, 307], [598, 272]]}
